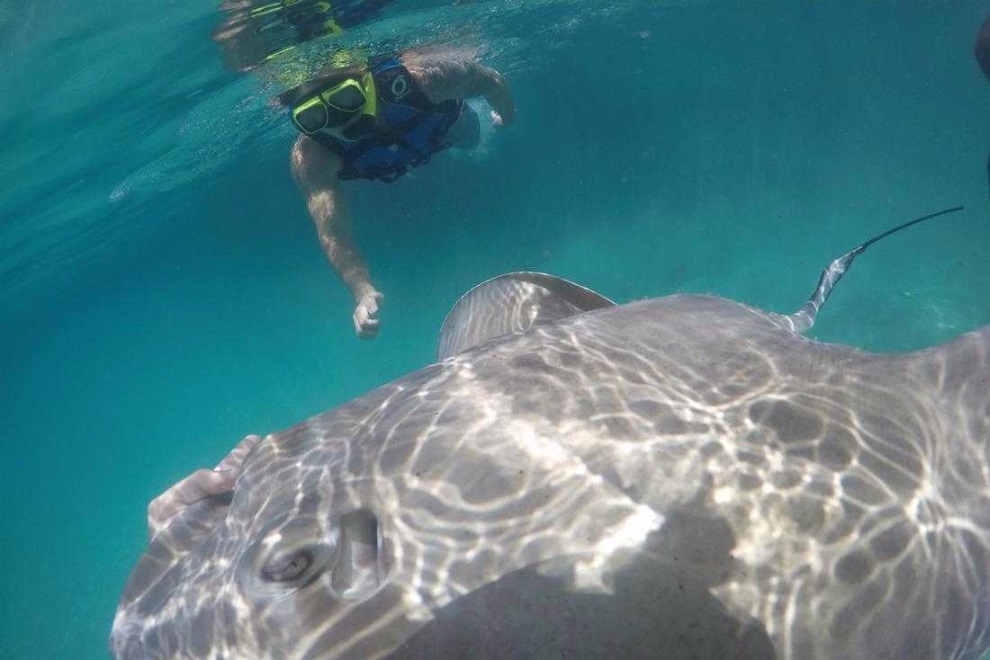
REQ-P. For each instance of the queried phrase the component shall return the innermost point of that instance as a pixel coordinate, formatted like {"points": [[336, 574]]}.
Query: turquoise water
{"points": [[162, 293]]}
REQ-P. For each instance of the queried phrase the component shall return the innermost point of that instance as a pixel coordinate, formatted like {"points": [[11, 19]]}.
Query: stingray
{"points": [[686, 476]]}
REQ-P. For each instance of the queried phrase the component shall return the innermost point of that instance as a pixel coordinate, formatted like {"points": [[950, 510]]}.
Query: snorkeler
{"points": [[981, 51], [375, 122]]}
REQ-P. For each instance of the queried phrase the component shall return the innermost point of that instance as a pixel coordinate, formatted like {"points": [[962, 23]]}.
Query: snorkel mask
{"points": [[337, 108]]}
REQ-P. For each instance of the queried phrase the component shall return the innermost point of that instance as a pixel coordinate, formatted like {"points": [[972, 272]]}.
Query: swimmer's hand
{"points": [[366, 315], [497, 120]]}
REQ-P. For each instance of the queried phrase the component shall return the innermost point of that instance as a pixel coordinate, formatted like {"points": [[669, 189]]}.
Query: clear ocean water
{"points": [[162, 293]]}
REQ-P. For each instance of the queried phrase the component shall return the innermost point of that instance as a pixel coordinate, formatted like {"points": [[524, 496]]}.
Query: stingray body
{"points": [[677, 477]]}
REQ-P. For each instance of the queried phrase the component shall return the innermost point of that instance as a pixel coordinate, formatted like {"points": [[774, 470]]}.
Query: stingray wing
{"points": [[511, 304]]}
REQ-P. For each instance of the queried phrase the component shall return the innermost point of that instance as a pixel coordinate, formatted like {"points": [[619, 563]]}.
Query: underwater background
{"points": [[162, 292]]}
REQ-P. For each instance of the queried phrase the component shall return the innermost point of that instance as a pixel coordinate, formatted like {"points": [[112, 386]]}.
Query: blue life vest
{"points": [[408, 131]]}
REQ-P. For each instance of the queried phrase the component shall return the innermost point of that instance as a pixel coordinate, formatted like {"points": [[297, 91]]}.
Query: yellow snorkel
{"points": [[371, 95]]}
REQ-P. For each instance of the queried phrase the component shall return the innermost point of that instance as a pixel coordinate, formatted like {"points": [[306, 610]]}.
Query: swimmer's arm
{"points": [[448, 77], [315, 171]]}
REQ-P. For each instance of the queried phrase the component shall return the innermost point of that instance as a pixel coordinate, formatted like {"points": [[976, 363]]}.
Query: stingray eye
{"points": [[287, 568], [292, 565], [291, 556]]}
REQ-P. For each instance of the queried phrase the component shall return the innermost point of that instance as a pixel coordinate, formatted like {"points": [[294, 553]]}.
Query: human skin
{"points": [[442, 75]]}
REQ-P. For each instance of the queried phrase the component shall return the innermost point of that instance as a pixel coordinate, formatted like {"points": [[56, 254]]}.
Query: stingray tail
{"points": [[802, 320]]}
